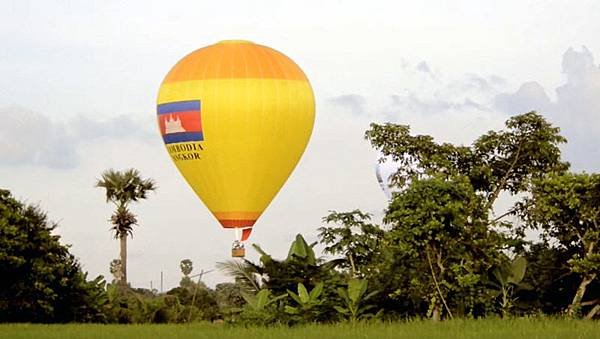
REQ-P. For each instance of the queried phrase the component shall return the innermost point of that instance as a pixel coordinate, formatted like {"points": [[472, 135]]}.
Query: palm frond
{"points": [[123, 221], [244, 273], [123, 187]]}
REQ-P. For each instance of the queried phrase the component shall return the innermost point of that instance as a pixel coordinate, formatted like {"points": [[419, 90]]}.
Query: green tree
{"points": [[442, 219], [197, 300], [122, 188], [41, 281], [552, 284], [566, 208], [352, 236], [438, 228], [498, 161], [229, 297]]}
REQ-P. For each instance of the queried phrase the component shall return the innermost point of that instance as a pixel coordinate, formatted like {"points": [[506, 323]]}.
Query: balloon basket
{"points": [[238, 252]]}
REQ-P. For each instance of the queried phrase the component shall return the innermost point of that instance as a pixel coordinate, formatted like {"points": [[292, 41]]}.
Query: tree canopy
{"points": [[41, 281]]}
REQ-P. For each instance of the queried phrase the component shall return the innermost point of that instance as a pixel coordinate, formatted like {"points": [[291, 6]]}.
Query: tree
{"points": [[228, 296], [552, 284], [122, 188], [353, 237], [186, 267], [438, 227], [41, 281], [198, 301], [442, 218], [498, 161], [565, 206]]}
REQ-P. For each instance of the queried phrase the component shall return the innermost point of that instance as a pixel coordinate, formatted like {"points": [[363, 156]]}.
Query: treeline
{"points": [[443, 250]]}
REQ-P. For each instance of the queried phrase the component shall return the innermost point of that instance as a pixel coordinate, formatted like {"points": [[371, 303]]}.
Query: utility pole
{"points": [[202, 272], [161, 281]]}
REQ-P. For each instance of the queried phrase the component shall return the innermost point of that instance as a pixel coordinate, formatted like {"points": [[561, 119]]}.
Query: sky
{"points": [[79, 81]]}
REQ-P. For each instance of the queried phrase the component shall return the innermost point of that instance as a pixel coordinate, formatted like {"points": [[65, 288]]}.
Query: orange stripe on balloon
{"points": [[237, 223], [237, 215], [234, 60]]}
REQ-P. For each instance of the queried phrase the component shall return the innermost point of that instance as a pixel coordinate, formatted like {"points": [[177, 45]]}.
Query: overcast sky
{"points": [[78, 83]]}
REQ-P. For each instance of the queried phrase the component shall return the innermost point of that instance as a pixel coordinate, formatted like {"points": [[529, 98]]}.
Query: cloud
{"points": [[531, 96], [576, 109], [354, 103], [424, 67], [31, 138]]}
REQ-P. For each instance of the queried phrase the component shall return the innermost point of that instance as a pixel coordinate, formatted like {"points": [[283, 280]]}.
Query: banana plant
{"points": [[300, 249], [306, 300], [505, 278], [261, 300], [354, 297]]}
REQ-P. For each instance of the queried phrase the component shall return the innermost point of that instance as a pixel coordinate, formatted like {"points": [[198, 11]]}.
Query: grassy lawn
{"points": [[481, 329]]}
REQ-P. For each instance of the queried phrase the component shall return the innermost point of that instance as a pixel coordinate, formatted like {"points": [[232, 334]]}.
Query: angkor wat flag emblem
{"points": [[180, 121]]}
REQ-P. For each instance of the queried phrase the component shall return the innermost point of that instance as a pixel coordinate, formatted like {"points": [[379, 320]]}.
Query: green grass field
{"points": [[481, 329]]}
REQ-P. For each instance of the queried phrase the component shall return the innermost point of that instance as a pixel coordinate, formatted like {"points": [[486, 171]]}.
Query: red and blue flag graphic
{"points": [[180, 121]]}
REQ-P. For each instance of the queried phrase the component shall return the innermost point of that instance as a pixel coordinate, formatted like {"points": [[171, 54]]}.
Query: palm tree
{"points": [[121, 189]]}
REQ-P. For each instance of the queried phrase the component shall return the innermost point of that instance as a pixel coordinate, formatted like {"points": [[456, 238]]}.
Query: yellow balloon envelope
{"points": [[235, 118]]}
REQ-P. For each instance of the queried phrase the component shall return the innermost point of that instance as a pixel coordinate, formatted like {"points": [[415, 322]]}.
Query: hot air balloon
{"points": [[235, 118], [383, 172]]}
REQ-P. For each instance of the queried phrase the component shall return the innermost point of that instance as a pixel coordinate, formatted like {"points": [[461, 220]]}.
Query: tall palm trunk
{"points": [[123, 241]]}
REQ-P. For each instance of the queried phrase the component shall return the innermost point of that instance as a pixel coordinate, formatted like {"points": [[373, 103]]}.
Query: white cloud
{"points": [[31, 138], [576, 109], [353, 102], [531, 96]]}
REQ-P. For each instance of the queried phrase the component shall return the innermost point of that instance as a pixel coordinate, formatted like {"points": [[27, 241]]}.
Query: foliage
{"points": [[229, 299], [307, 308], [300, 250], [441, 219], [261, 300], [199, 302], [565, 207], [125, 187], [41, 281], [506, 277], [300, 271], [498, 161], [551, 284], [186, 266], [357, 240], [354, 297], [438, 227], [263, 308], [300, 266], [244, 273]]}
